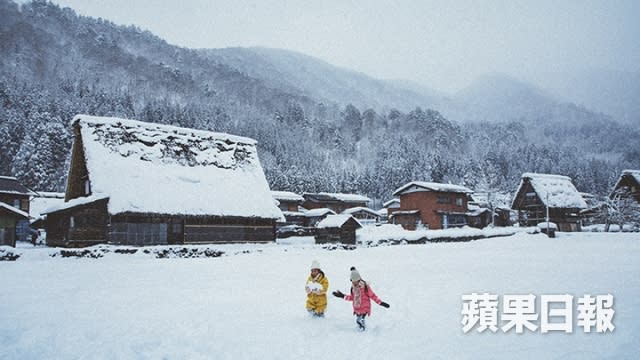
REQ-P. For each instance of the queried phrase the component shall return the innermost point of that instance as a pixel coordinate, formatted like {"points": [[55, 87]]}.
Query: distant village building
{"points": [[289, 203], [314, 216], [627, 186], [364, 215], [431, 205], [625, 198], [388, 208], [538, 193], [337, 229], [335, 201], [138, 183], [14, 211]]}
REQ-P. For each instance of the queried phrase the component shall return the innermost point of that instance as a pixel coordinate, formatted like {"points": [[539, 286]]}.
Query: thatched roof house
{"points": [[132, 182]]}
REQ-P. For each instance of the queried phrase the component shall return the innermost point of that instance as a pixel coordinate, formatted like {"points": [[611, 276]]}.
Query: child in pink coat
{"points": [[361, 296]]}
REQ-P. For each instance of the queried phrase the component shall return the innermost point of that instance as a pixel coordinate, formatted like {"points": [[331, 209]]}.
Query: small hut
{"points": [[337, 229]]}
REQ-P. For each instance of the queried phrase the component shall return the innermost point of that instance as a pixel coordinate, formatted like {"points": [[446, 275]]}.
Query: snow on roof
{"points": [[391, 202], [319, 212], [356, 209], [555, 191], [14, 210], [11, 185], [286, 196], [39, 205], [336, 221], [152, 168], [430, 186], [633, 173], [338, 197]]}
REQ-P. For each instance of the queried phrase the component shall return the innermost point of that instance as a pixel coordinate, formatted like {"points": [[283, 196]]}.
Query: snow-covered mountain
{"points": [[322, 81]]}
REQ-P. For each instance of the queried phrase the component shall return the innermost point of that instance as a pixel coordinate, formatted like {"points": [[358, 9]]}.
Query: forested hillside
{"points": [[55, 64]]}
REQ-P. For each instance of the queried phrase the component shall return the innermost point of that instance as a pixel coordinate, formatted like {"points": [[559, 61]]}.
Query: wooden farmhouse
{"points": [[430, 205], [337, 229], [364, 215], [138, 183], [289, 203], [538, 193], [627, 186], [334, 201], [14, 211]]}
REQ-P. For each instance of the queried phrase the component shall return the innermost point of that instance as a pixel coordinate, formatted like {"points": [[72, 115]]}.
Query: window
{"points": [[459, 201], [443, 199], [16, 203], [72, 222], [87, 187]]}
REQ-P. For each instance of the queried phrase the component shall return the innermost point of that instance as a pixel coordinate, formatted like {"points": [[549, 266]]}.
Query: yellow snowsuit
{"points": [[317, 298]]}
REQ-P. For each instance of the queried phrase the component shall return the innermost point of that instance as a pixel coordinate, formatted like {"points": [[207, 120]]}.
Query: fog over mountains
{"points": [[319, 127]]}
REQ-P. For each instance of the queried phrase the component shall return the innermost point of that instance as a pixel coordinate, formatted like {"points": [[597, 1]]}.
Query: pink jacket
{"points": [[361, 297]]}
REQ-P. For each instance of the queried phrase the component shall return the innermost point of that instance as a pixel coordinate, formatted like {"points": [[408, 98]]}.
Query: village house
{"points": [[138, 183], [289, 203], [335, 201], [430, 205], [387, 208], [14, 211], [337, 229], [538, 194], [627, 186], [364, 215]]}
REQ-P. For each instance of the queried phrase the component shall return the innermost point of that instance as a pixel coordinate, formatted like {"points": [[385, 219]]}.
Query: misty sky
{"points": [[441, 44]]}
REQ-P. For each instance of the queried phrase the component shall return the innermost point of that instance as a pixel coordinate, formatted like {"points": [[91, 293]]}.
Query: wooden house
{"points": [[14, 215], [289, 203], [431, 205], [138, 183], [335, 201], [9, 219], [337, 229], [364, 215], [539, 193], [627, 186]]}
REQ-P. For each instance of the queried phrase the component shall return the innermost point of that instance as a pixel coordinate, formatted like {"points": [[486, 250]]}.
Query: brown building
{"points": [[14, 214], [337, 229], [627, 186], [335, 201], [430, 205], [138, 183], [539, 194], [289, 203]]}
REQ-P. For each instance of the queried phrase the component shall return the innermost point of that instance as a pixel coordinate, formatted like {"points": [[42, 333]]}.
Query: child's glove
{"points": [[384, 304], [338, 293]]}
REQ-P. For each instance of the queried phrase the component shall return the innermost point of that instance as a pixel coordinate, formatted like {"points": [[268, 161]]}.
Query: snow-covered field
{"points": [[249, 304]]}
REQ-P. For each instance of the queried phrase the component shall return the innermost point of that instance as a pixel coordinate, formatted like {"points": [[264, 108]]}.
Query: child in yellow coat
{"points": [[316, 288]]}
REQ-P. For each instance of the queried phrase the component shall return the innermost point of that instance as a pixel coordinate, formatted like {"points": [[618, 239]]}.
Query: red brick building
{"points": [[432, 205]]}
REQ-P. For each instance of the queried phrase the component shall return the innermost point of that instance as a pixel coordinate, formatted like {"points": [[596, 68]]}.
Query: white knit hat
{"points": [[355, 275], [315, 265]]}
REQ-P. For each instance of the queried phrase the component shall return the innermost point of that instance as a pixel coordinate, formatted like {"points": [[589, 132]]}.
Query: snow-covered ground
{"points": [[249, 303]]}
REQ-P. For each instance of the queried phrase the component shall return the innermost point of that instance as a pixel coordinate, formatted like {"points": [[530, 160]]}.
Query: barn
{"points": [[139, 183]]}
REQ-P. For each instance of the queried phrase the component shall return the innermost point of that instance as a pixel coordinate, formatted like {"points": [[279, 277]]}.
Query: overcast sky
{"points": [[441, 44]]}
